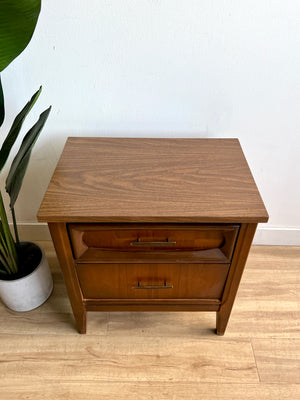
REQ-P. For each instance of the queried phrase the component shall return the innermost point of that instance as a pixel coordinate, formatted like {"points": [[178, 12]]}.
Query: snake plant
{"points": [[17, 24]]}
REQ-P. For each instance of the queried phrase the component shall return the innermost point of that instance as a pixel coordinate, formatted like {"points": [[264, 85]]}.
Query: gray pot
{"points": [[29, 292]]}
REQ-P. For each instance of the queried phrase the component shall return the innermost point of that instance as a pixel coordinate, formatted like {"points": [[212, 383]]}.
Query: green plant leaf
{"points": [[15, 129], [2, 112], [19, 165], [9, 249], [17, 23]]}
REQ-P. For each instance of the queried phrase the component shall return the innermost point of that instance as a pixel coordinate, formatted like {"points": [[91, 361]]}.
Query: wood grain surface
{"points": [[161, 355], [111, 359], [183, 281], [278, 359], [152, 180], [86, 390], [200, 242]]}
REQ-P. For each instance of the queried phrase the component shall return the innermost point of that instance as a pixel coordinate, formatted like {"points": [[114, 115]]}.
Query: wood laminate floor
{"points": [[161, 355]]}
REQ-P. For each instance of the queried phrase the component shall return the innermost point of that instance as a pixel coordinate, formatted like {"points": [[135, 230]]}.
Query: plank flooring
{"points": [[161, 355]]}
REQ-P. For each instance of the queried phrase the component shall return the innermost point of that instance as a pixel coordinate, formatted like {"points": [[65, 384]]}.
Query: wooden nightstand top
{"points": [[152, 180]]}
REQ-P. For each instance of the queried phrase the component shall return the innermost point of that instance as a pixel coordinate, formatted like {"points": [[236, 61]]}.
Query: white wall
{"points": [[168, 68]]}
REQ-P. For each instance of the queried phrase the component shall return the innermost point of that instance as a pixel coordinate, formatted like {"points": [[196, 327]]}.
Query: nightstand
{"points": [[152, 224]]}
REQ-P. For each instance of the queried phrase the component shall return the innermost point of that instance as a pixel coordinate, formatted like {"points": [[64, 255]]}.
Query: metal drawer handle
{"points": [[165, 286], [150, 244]]}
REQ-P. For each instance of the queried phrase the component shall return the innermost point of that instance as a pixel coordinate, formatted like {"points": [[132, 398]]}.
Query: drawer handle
{"points": [[151, 244], [165, 286]]}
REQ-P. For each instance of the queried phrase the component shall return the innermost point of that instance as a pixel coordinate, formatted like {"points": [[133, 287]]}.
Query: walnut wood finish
{"points": [[137, 257], [152, 180], [148, 306], [152, 224], [237, 267], [62, 246], [140, 238], [156, 281]]}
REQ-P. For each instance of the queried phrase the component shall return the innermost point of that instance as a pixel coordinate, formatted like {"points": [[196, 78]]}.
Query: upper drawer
{"points": [[153, 242]]}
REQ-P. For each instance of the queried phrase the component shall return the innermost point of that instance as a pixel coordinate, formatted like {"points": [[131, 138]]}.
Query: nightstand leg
{"points": [[222, 320], [64, 254], [243, 245], [80, 319]]}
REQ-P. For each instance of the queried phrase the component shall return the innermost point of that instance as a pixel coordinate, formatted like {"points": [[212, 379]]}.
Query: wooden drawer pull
{"points": [[165, 286], [151, 244]]}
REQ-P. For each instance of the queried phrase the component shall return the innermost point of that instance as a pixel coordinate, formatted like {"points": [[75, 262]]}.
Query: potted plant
{"points": [[25, 278]]}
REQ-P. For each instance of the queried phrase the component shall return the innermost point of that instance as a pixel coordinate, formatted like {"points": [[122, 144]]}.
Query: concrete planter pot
{"points": [[29, 292]]}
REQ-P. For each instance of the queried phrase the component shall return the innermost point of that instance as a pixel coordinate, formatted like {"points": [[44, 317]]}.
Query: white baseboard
{"points": [[277, 236], [264, 236], [33, 232]]}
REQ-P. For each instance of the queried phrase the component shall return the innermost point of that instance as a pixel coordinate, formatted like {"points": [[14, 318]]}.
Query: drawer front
{"points": [[94, 241], [152, 281]]}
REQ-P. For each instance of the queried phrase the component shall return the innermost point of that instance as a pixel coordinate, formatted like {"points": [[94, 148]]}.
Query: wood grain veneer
{"points": [[165, 242], [177, 281], [152, 180], [152, 224]]}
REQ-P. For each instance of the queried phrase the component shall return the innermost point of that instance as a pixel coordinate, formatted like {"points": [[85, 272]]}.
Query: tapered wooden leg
{"points": [[222, 320], [62, 246], [243, 245], [80, 319]]}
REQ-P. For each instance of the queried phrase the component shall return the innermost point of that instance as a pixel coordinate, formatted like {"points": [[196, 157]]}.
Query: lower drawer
{"points": [[152, 281]]}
